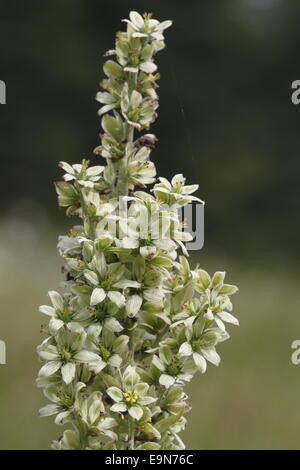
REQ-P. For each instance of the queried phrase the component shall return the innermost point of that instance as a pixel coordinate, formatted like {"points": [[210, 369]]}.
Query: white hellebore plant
{"points": [[134, 322]]}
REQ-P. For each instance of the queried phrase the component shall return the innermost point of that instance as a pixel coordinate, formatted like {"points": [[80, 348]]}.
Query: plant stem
{"points": [[131, 427]]}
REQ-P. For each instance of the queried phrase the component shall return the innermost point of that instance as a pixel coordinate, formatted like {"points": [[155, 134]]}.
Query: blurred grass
{"points": [[250, 401]]}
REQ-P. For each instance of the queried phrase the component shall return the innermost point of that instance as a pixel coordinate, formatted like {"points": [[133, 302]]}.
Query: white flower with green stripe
{"points": [[66, 354], [131, 396]]}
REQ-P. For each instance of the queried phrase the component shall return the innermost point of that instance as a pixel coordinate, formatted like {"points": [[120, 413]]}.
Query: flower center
{"points": [[174, 368], [65, 399], [106, 283], [104, 352], [65, 354], [130, 397]]}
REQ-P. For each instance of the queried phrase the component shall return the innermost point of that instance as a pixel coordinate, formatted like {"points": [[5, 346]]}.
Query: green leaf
{"points": [[65, 189], [147, 52], [112, 69], [139, 267], [204, 278], [114, 127], [218, 278], [165, 423], [228, 289]]}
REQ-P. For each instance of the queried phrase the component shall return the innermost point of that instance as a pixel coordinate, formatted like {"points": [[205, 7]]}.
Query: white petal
{"points": [[94, 410], [135, 99], [54, 325], [148, 67], [104, 98], [61, 418], [139, 35], [94, 331], [185, 349], [137, 19], [131, 69], [141, 389], [115, 393], [146, 400], [124, 283], [148, 251], [50, 353], [130, 376], [106, 108], [65, 166], [98, 295], [97, 366], [49, 369], [68, 177], [118, 407], [68, 372], [47, 310], [56, 300], [212, 356], [158, 36], [153, 22], [94, 170], [113, 325], [136, 412], [115, 360], [77, 167], [49, 410], [133, 305], [220, 324], [166, 380], [165, 24], [130, 242], [106, 423], [116, 297], [86, 356], [228, 318], [75, 327], [157, 363], [92, 277], [200, 362]]}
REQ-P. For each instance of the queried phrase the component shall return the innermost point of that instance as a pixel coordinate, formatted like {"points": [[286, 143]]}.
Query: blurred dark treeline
{"points": [[225, 120]]}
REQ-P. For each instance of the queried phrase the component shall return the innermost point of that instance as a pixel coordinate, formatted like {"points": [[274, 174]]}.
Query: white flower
{"points": [[175, 193], [146, 27], [171, 368], [66, 354], [106, 281], [81, 172], [136, 321], [63, 401], [132, 396], [107, 346], [200, 345]]}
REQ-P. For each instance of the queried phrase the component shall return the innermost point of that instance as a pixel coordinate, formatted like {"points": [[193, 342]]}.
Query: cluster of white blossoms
{"points": [[135, 322]]}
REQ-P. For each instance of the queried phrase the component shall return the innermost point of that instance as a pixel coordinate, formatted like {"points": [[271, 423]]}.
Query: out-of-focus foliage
{"points": [[234, 115]]}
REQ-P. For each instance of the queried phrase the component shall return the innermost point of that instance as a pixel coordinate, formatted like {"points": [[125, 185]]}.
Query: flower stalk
{"points": [[134, 322]]}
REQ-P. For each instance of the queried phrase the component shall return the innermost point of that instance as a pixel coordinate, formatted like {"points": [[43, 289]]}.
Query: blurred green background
{"points": [[227, 122]]}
